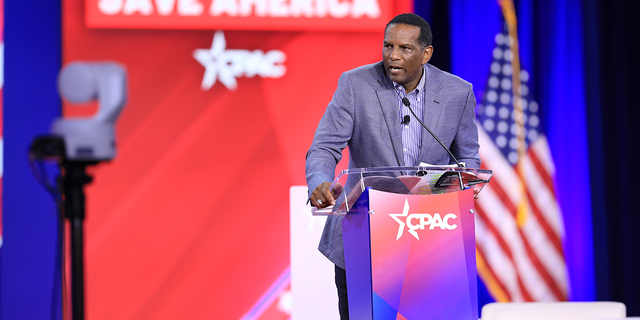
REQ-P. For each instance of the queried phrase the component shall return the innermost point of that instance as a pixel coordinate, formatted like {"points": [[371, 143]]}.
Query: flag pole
{"points": [[509, 13]]}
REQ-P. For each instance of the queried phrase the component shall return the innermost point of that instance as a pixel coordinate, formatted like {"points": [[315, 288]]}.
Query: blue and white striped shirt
{"points": [[412, 132]]}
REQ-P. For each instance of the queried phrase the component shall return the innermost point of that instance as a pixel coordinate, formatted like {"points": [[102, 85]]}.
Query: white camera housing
{"points": [[91, 138]]}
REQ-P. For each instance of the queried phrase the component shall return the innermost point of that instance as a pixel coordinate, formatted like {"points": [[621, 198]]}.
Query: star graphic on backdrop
{"points": [[217, 63]]}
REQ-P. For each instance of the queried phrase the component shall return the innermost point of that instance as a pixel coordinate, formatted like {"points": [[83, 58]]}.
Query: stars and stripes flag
{"points": [[519, 227]]}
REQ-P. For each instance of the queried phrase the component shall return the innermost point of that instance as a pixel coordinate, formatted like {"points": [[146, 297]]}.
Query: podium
{"points": [[409, 241]]}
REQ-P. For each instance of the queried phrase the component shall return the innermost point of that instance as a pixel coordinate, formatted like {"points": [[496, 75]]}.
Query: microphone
{"points": [[406, 120], [406, 102]]}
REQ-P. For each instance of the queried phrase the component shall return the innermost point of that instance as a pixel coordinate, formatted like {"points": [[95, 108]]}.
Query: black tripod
{"points": [[74, 178]]}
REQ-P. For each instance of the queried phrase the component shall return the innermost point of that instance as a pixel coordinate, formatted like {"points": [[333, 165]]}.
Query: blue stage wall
{"points": [[32, 61]]}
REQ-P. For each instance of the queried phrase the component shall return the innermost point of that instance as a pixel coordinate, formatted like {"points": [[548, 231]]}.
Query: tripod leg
{"points": [[77, 269], [75, 178]]}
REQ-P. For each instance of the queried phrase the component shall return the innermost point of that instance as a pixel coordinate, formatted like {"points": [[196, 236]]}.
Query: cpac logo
{"points": [[421, 221], [227, 65]]}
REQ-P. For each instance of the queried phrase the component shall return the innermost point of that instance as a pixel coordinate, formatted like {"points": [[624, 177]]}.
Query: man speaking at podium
{"points": [[369, 113]]}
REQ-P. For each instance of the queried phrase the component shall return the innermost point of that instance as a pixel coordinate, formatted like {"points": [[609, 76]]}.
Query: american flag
{"points": [[519, 227]]}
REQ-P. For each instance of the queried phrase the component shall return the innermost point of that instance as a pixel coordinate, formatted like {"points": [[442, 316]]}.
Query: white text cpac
{"points": [[424, 219]]}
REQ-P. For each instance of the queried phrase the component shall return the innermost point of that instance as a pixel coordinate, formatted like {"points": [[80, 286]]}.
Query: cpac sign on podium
{"points": [[409, 242]]}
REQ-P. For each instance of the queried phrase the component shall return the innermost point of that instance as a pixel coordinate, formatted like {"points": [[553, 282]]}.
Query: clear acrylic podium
{"points": [[409, 241]]}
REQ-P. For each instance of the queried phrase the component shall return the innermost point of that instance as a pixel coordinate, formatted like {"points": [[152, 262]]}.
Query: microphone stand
{"points": [[406, 102]]}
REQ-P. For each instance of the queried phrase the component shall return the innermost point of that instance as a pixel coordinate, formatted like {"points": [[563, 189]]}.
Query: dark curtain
{"points": [[612, 53]]}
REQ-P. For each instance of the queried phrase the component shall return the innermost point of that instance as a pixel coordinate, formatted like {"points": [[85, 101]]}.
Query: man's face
{"points": [[402, 56]]}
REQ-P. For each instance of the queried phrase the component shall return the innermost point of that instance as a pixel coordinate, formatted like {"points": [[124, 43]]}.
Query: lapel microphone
{"points": [[406, 120], [406, 102]]}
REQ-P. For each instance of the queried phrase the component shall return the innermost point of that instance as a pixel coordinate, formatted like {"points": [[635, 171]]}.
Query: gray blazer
{"points": [[364, 115]]}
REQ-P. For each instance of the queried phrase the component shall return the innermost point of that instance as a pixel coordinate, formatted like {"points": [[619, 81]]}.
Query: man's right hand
{"points": [[323, 197]]}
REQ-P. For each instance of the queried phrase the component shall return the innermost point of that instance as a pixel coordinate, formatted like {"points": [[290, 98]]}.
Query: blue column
{"points": [[32, 61], [562, 95]]}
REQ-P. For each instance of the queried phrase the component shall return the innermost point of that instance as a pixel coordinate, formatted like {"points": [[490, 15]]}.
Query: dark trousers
{"points": [[341, 284]]}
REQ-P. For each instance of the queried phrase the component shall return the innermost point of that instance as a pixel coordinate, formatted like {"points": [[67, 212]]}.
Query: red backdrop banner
{"points": [[191, 219], [322, 15]]}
